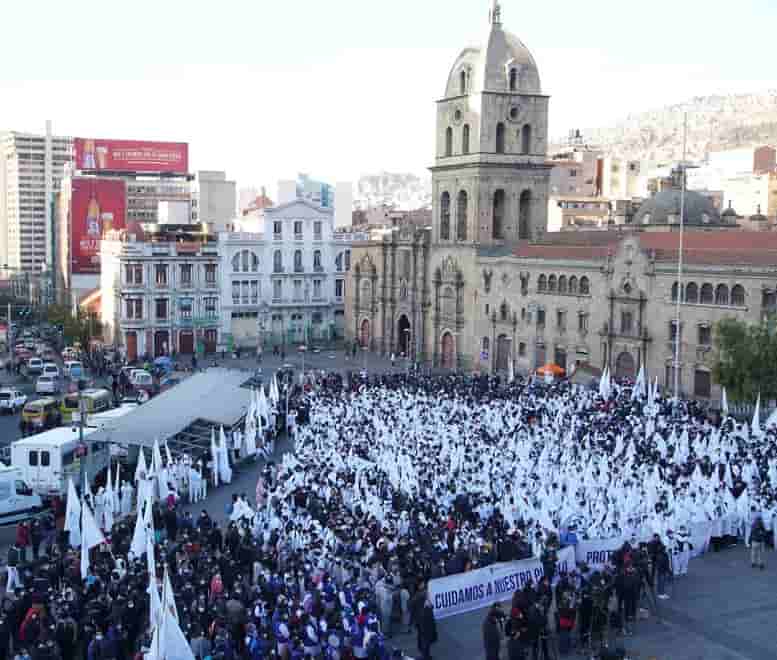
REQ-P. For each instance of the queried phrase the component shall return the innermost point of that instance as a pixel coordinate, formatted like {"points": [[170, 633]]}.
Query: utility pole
{"points": [[81, 422]]}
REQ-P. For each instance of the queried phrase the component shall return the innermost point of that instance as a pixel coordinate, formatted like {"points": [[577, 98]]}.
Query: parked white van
{"points": [[48, 459], [17, 501]]}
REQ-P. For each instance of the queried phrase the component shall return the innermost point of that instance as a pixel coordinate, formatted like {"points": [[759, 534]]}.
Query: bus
{"points": [[95, 401]]}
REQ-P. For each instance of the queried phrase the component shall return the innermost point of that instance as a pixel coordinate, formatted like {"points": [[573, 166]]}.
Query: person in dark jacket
{"points": [[426, 627], [757, 543], [492, 632]]}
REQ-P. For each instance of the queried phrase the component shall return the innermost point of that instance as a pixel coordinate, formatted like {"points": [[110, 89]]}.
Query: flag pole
{"points": [[680, 295]]}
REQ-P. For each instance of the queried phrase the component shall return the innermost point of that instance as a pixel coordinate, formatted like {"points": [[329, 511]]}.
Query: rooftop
{"points": [[214, 397]]}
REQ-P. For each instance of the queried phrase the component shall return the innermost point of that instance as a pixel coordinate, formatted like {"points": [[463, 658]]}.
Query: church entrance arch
{"points": [[448, 351], [365, 333], [403, 335], [625, 367], [502, 352]]}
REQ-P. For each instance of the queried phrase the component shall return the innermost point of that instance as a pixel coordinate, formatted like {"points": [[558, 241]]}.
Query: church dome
{"points": [[502, 64], [664, 208]]}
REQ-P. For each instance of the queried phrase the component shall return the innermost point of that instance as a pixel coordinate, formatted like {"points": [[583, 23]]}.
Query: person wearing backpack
{"points": [[758, 536]]}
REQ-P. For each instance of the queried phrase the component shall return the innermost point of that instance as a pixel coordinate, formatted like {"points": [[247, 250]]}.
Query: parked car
{"points": [[46, 385], [34, 366], [11, 400], [73, 369], [51, 369]]}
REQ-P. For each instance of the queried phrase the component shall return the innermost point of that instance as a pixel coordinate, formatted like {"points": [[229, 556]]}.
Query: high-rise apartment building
{"points": [[31, 170]]}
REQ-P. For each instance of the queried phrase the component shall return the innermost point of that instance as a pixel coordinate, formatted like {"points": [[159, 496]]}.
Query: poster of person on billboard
{"points": [[131, 156], [96, 207]]}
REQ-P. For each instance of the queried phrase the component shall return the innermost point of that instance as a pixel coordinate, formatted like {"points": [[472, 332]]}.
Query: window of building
{"points": [[297, 290], [521, 349], [317, 261], [210, 274], [277, 289], [297, 261], [582, 322], [465, 139], [486, 344], [298, 229], [32, 458], [277, 229], [702, 383], [488, 309], [210, 307], [705, 335], [573, 173], [500, 138], [244, 292], [185, 307], [691, 293], [347, 260], [462, 82], [721, 295], [672, 330], [706, 297], [186, 274], [542, 283], [317, 230], [161, 309], [235, 293], [552, 283], [540, 318], [627, 323], [160, 274], [277, 262], [339, 288], [445, 216], [498, 215], [585, 287], [738, 296], [449, 141], [134, 308], [562, 284], [339, 263], [317, 289], [524, 215], [513, 80], [504, 311], [461, 216], [254, 292], [561, 319], [526, 140]]}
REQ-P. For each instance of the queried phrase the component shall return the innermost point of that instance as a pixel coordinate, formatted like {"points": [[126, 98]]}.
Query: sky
{"points": [[267, 89]]}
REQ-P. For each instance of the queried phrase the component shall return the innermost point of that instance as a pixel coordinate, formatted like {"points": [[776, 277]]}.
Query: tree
{"points": [[746, 359], [81, 327]]}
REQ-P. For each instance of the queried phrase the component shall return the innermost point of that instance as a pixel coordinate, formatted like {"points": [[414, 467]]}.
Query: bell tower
{"points": [[490, 178]]}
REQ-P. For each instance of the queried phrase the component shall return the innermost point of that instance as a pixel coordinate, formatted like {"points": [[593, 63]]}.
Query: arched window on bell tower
{"points": [[445, 217], [526, 139], [449, 141], [463, 82], [461, 216], [465, 139], [500, 138], [497, 226], [524, 216], [513, 80]]}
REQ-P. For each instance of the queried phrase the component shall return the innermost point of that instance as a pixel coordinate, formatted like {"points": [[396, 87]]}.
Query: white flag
{"points": [[90, 537], [141, 471], [73, 515]]}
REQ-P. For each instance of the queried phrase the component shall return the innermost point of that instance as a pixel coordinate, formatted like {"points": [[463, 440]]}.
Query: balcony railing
{"points": [[277, 237], [298, 237]]}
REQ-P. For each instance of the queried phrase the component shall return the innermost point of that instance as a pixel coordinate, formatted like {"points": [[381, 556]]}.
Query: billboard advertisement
{"points": [[96, 207], [131, 156]]}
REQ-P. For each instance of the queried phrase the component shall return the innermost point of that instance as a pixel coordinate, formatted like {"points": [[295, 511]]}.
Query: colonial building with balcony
{"points": [[160, 290], [286, 284]]}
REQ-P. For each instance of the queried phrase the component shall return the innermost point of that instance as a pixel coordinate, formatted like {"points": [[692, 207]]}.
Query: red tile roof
{"points": [[745, 248]]}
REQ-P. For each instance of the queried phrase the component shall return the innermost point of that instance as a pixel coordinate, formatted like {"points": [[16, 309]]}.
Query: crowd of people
{"points": [[400, 479]]}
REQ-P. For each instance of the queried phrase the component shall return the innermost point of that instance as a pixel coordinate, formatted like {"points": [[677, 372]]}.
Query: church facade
{"points": [[486, 285]]}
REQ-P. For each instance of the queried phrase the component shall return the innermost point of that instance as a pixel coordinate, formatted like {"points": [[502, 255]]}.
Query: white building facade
{"points": [[286, 285], [159, 297]]}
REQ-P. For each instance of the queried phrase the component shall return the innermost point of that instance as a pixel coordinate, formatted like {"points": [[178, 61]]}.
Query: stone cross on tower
{"points": [[495, 15]]}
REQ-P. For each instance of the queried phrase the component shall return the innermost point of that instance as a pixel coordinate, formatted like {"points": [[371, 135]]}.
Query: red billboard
{"points": [[96, 207], [131, 156]]}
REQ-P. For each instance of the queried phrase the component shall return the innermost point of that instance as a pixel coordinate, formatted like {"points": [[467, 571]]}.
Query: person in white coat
{"points": [[127, 494]]}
